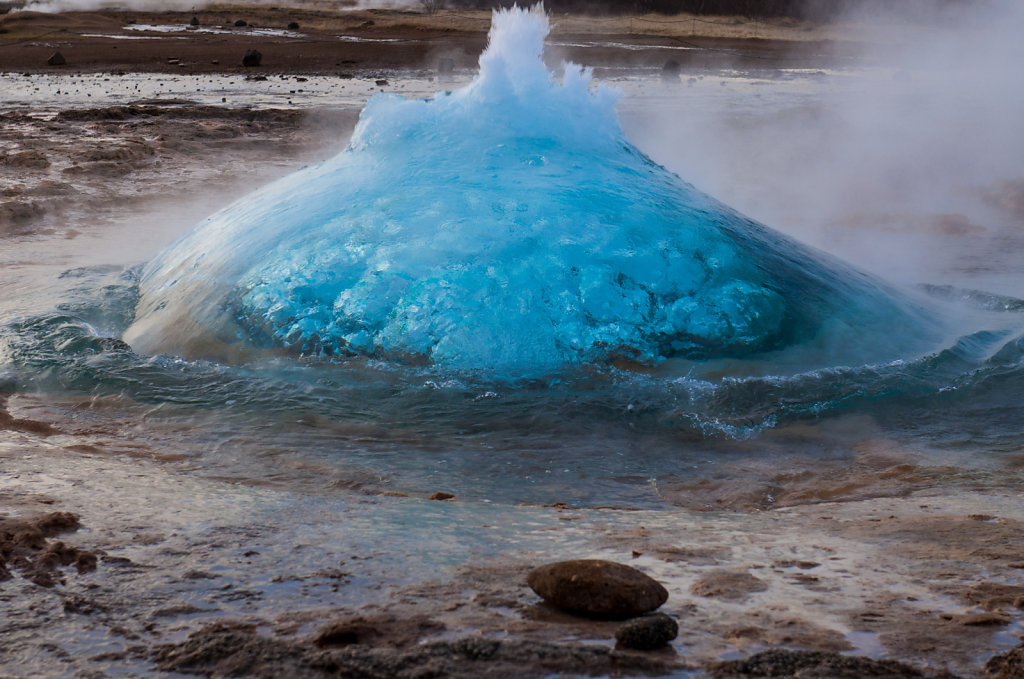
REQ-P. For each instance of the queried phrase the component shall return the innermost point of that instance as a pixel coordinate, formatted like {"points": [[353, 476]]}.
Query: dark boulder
{"points": [[252, 58], [240, 23], [597, 588], [194, 21], [56, 59], [293, 25], [647, 632]]}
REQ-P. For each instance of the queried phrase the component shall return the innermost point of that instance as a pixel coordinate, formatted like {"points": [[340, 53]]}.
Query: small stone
{"points": [[240, 23], [194, 21], [381, 83], [252, 58], [441, 495], [293, 25], [647, 632], [597, 588], [56, 59]]}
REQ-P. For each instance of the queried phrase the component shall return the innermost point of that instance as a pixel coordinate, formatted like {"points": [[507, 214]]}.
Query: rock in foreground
{"points": [[647, 632], [789, 664], [1009, 665], [235, 649], [597, 588]]}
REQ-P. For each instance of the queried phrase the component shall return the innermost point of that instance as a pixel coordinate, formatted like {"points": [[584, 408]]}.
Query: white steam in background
{"points": [[910, 162]]}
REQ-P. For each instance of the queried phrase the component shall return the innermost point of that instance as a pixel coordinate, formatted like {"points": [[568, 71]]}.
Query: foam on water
{"points": [[507, 228]]}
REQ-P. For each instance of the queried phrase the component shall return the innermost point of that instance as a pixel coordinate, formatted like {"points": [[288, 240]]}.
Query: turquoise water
{"points": [[509, 230]]}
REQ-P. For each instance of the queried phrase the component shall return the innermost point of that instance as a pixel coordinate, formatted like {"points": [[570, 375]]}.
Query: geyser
{"points": [[508, 228]]}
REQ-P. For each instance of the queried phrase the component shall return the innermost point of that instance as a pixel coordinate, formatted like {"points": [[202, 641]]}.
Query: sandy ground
{"points": [[119, 558]]}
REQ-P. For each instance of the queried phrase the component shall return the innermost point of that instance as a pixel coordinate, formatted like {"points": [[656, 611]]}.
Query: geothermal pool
{"points": [[293, 474]]}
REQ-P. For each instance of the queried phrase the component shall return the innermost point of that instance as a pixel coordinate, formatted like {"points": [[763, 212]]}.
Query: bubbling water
{"points": [[509, 229]]}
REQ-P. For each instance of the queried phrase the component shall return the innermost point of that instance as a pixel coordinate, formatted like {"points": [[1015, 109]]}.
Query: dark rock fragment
{"points": [[194, 21], [252, 58], [293, 25], [647, 632], [597, 588], [787, 664], [56, 59], [441, 495], [1009, 665], [240, 23]]}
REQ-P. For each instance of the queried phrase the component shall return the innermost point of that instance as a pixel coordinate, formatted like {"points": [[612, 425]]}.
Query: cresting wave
{"points": [[509, 229]]}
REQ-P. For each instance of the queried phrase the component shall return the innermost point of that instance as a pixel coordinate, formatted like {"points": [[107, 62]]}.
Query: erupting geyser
{"points": [[507, 228]]}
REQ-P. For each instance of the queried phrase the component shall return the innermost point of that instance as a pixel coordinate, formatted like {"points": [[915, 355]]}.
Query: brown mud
{"points": [[25, 549]]}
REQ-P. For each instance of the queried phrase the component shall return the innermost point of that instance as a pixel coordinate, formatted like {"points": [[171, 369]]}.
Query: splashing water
{"points": [[508, 229]]}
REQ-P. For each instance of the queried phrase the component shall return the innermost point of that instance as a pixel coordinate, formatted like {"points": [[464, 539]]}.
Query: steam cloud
{"points": [[910, 164]]}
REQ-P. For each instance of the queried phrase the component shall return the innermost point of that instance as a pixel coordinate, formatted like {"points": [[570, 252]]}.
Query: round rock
{"points": [[647, 632], [597, 588], [252, 58]]}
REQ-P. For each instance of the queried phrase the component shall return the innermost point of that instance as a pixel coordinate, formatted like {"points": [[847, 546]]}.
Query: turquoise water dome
{"points": [[507, 229]]}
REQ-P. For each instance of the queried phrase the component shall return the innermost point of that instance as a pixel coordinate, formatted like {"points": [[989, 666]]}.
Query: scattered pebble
{"points": [[647, 632]]}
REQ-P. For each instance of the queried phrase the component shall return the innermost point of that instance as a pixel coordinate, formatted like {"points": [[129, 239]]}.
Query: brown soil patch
{"points": [[25, 547]]}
